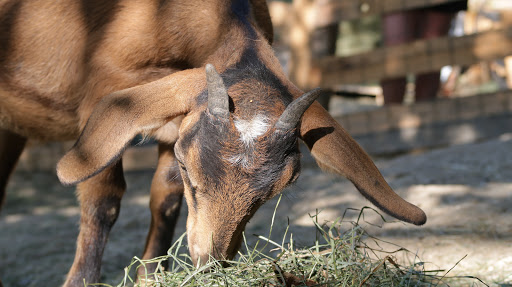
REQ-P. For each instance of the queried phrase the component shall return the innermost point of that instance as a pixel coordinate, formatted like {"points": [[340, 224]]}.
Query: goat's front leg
{"points": [[11, 146], [165, 204], [100, 198]]}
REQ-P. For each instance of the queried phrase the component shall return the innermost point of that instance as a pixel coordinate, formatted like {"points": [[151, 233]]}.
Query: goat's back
{"points": [[59, 58]]}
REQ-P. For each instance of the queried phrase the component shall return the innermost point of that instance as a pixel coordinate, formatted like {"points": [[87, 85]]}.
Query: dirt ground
{"points": [[466, 191]]}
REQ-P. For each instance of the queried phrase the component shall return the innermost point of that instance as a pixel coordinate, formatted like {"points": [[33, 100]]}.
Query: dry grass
{"points": [[341, 256]]}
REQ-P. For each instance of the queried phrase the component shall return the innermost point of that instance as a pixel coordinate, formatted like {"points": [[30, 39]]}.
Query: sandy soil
{"points": [[466, 191]]}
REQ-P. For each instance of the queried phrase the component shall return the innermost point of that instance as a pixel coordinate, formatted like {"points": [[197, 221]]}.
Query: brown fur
{"points": [[58, 75], [103, 72]]}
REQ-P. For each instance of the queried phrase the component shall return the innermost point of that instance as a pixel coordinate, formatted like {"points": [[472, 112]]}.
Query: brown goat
{"points": [[199, 76]]}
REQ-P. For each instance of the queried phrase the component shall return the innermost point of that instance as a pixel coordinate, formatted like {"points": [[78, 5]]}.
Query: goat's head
{"points": [[232, 160], [237, 148]]}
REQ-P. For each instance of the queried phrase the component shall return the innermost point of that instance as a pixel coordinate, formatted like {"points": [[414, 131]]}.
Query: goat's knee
{"points": [[100, 208], [165, 209], [101, 213]]}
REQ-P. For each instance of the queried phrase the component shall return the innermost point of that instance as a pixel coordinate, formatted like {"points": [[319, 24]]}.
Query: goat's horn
{"points": [[218, 100], [292, 114]]}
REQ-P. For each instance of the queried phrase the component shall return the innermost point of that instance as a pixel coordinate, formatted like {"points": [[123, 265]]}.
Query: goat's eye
{"points": [[181, 165]]}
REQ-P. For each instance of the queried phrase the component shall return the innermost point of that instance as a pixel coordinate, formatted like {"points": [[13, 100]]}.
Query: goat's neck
{"points": [[245, 47]]}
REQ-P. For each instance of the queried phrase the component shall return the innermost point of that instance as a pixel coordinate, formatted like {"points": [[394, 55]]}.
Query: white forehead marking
{"points": [[249, 131], [252, 129]]}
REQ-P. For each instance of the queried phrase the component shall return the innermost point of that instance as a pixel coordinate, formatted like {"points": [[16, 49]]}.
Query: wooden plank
{"points": [[393, 61], [441, 49], [333, 11], [417, 57], [421, 114]]}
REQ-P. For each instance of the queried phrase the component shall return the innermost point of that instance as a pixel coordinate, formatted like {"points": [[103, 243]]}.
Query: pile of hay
{"points": [[340, 257]]}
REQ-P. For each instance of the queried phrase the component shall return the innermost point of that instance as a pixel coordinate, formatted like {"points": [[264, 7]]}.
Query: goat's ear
{"points": [[336, 151], [118, 117]]}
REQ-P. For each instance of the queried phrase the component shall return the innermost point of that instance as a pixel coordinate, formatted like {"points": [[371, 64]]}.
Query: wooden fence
{"points": [[309, 69]]}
